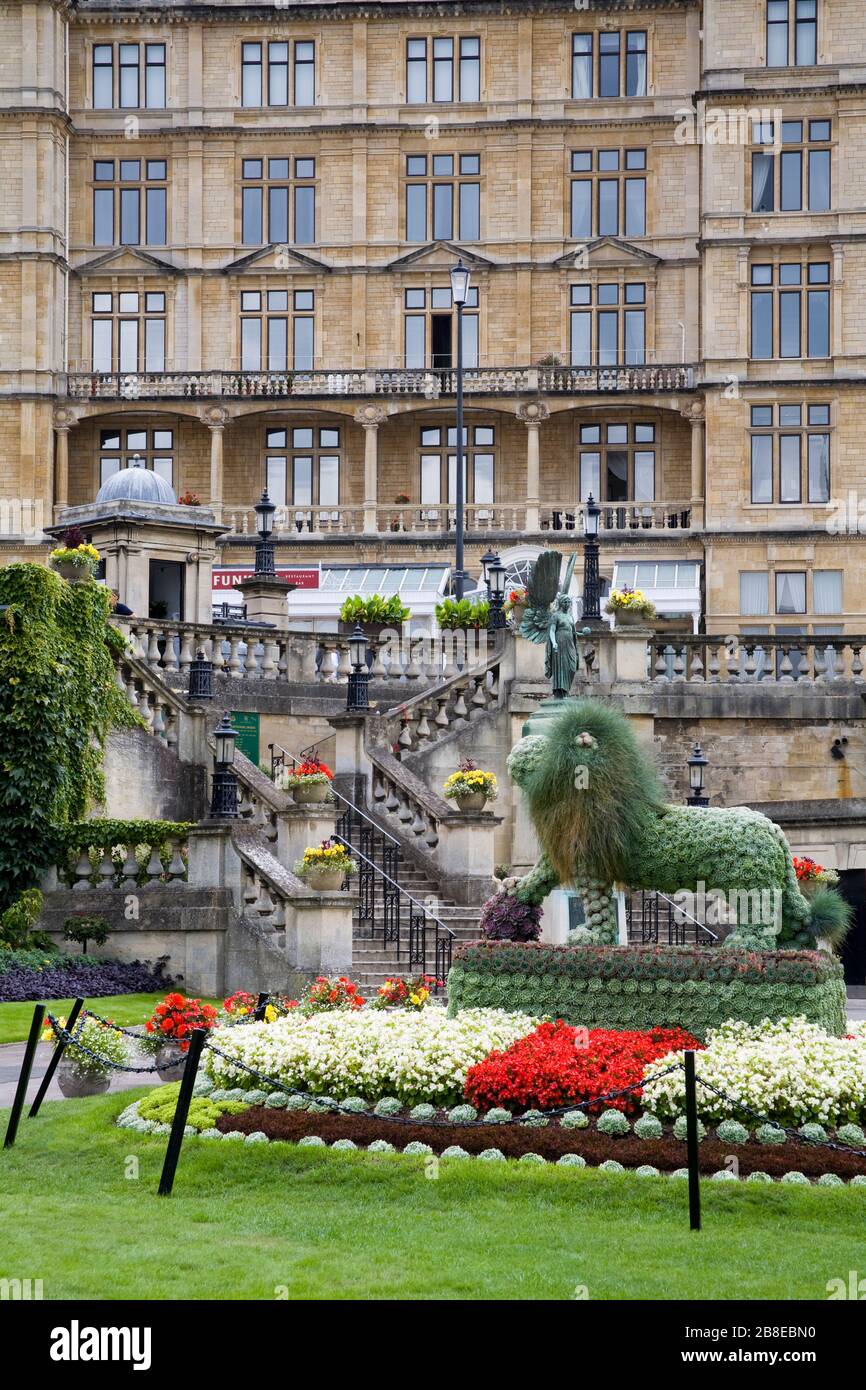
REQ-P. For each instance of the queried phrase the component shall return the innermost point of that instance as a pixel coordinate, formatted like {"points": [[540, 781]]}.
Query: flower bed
{"points": [[559, 1065], [65, 977], [789, 1070], [420, 1055], [696, 988]]}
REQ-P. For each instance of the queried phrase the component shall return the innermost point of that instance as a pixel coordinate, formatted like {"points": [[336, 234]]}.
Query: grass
{"points": [[78, 1209], [125, 1009]]}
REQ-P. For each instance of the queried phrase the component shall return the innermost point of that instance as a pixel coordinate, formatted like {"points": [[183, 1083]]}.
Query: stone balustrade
{"points": [[159, 708], [128, 865], [743, 659], [418, 723], [242, 652]]}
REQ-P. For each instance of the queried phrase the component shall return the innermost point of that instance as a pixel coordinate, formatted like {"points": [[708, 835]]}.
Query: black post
{"points": [[259, 1010], [24, 1078], [692, 1142], [459, 490], [178, 1124], [77, 1006]]}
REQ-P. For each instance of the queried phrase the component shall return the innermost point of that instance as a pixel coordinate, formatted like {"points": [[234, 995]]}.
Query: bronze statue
{"points": [[553, 625]]}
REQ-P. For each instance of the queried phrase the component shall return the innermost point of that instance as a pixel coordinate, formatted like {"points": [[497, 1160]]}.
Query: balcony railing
{"points": [[758, 660], [379, 381], [416, 520]]}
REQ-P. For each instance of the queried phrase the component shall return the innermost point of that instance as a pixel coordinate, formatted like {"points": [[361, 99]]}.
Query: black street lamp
{"points": [[459, 295], [224, 794], [486, 561], [200, 677], [357, 693], [496, 595], [264, 510], [591, 584], [696, 764]]}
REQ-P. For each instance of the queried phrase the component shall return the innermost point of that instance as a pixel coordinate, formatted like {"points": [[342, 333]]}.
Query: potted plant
{"points": [[189, 499], [812, 876], [515, 606], [82, 929], [74, 559], [375, 613], [167, 1031], [470, 787], [402, 499], [309, 782], [630, 607], [78, 1072], [325, 866], [462, 614]]}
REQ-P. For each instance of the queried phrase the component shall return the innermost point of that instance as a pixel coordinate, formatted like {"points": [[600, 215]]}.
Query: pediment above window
{"points": [[606, 251], [126, 260], [440, 255], [280, 259]]}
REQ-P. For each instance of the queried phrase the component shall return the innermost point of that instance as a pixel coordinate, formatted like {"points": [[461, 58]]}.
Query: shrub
{"points": [[374, 608], [492, 1155], [851, 1134], [78, 975], [648, 1127], [642, 987], [84, 928], [534, 1119], [557, 1065], [504, 917], [381, 1146], [575, 1119], [611, 1165], [769, 1134], [795, 1177], [732, 1132], [815, 1133], [423, 1112], [531, 1158], [16, 923], [680, 1131], [571, 1161], [496, 1116], [613, 1122], [462, 613], [462, 1114], [759, 1176], [454, 1151], [646, 1170]]}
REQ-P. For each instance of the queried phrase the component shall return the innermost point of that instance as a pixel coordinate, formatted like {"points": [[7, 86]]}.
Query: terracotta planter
{"points": [[313, 795], [170, 1052], [74, 1084], [325, 880], [472, 801]]}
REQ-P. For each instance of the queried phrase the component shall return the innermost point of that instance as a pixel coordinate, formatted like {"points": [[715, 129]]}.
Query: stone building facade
{"points": [[226, 233]]}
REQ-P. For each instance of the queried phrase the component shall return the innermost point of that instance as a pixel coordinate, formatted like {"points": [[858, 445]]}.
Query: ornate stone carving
{"points": [[370, 416], [533, 412]]}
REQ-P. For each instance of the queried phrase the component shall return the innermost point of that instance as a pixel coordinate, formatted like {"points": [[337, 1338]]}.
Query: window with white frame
{"points": [[278, 201], [277, 330], [130, 202], [430, 327], [790, 453], [437, 464], [302, 465], [136, 448], [443, 69], [278, 73], [612, 63], [129, 76], [607, 324], [443, 197], [790, 592], [128, 331]]}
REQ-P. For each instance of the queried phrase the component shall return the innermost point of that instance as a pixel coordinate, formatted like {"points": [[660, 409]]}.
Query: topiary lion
{"points": [[602, 818]]}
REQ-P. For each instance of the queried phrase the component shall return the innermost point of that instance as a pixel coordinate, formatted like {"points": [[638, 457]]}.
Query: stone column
{"points": [[697, 419], [370, 417], [216, 420], [63, 422], [533, 414]]}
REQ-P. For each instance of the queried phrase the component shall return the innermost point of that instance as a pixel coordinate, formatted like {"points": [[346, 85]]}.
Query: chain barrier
{"points": [[784, 1129], [72, 1040]]}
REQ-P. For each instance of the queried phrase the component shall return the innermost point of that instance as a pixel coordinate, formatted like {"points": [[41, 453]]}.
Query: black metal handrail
{"points": [[650, 923]]}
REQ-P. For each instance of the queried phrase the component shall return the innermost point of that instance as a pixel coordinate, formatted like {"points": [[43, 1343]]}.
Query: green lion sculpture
{"points": [[602, 819]]}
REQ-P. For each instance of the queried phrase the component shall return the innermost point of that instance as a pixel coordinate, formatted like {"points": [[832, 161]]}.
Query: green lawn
{"points": [[126, 1009], [247, 1221]]}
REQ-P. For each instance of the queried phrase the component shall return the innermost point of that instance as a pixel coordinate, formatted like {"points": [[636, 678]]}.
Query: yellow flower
{"points": [[270, 1013]]}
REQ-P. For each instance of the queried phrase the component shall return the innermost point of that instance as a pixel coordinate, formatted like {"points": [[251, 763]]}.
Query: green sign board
{"points": [[247, 728]]}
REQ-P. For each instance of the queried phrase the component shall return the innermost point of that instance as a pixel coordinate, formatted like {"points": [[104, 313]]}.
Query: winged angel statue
{"points": [[548, 619]]}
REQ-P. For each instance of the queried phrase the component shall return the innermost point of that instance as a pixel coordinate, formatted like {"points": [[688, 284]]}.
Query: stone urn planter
{"points": [[325, 880], [170, 1057], [627, 618], [74, 1083], [312, 795], [474, 801], [74, 573], [517, 613]]}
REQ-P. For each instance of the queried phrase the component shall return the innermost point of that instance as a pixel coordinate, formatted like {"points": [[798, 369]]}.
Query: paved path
{"points": [[12, 1055]]}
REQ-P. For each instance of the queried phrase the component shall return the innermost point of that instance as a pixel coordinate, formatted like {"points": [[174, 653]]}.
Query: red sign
{"points": [[225, 577]]}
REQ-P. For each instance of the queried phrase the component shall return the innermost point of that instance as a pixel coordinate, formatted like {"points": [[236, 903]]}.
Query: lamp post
{"points": [[264, 510], [357, 692], [591, 585], [224, 793], [459, 295], [696, 764], [486, 561], [496, 595]]}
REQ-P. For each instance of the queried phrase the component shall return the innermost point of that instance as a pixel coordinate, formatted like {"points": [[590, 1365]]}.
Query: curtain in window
{"points": [[754, 594], [827, 591], [790, 593]]}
